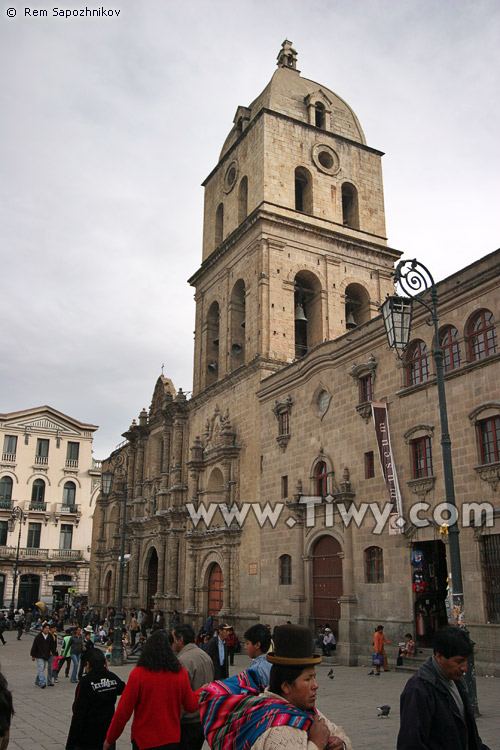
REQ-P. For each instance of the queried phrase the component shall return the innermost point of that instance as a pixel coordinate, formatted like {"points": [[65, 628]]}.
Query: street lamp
{"points": [[17, 513], [120, 463], [415, 280]]}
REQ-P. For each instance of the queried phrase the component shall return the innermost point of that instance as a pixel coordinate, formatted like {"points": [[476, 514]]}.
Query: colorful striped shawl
{"points": [[234, 714]]}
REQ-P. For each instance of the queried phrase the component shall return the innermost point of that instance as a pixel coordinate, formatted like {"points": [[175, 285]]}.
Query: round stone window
{"points": [[230, 176], [325, 158]]}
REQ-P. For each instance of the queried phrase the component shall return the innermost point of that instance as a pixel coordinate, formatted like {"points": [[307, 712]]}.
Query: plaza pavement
{"points": [[42, 716]]}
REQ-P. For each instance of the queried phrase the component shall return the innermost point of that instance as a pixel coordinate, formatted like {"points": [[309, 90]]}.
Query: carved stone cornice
{"points": [[490, 473], [422, 486], [283, 441], [365, 411]]}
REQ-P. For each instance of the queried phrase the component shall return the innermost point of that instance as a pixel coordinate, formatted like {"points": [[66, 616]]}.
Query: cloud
{"points": [[112, 125]]}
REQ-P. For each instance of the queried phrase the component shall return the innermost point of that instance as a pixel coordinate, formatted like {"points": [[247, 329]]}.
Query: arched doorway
{"points": [[215, 590], [29, 590], [327, 582], [152, 584], [107, 588]]}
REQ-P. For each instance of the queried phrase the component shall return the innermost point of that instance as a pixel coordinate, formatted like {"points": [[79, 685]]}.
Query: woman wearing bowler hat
{"points": [[235, 714]]}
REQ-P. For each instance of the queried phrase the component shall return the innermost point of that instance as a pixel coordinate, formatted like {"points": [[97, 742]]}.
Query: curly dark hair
{"points": [[6, 708], [157, 654]]}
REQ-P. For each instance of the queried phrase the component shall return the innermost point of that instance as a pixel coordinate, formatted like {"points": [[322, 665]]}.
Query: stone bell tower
{"points": [[294, 246]]}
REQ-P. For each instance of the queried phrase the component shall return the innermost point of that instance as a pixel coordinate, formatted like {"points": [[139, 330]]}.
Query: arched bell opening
{"points": [[308, 318]]}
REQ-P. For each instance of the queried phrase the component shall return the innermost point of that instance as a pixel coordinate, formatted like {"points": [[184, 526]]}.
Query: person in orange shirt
{"points": [[378, 642]]}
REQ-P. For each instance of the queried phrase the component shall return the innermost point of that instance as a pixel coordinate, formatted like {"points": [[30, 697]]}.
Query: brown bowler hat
{"points": [[293, 647]]}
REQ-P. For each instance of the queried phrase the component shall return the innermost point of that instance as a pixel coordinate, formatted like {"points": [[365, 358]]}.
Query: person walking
{"points": [[156, 692], [87, 646], [65, 651], [133, 628], [21, 624], [232, 644], [51, 676], [40, 652], [435, 709], [75, 652], [201, 671], [94, 704]]}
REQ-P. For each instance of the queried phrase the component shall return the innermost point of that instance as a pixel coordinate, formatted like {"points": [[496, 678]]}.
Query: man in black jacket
{"points": [[436, 713], [94, 704], [217, 650], [41, 650]]}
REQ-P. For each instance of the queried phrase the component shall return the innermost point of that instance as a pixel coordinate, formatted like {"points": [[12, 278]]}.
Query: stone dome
{"points": [[291, 95]]}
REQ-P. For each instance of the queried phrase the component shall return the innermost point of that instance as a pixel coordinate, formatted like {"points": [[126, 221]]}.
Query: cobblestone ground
{"points": [[350, 699]]}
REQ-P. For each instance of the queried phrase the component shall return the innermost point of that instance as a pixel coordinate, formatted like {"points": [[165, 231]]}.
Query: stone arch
{"points": [[11, 474], [219, 224], [303, 190], [108, 587], [210, 559], [308, 313], [38, 475], [151, 573], [215, 483], [357, 305], [212, 343], [243, 199], [237, 315], [350, 205], [70, 479]]}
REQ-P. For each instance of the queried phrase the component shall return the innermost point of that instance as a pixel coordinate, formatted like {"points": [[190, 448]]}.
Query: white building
{"points": [[49, 480]]}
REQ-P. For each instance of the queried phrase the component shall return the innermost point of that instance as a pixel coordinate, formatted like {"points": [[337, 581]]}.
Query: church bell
{"points": [[300, 314]]}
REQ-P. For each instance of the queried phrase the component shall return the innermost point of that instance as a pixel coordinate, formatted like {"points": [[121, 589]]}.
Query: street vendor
{"points": [[238, 713]]}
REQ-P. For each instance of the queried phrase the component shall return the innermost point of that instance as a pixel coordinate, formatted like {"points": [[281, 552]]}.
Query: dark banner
{"points": [[381, 422]]}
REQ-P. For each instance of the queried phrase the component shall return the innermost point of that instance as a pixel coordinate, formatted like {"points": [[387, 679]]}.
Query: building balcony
{"points": [[5, 504], [71, 512], [72, 463], [66, 554], [96, 468], [37, 507], [9, 458], [41, 460], [40, 552]]}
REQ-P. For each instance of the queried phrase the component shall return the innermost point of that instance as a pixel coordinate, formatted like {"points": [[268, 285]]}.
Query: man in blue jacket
{"points": [[436, 713]]}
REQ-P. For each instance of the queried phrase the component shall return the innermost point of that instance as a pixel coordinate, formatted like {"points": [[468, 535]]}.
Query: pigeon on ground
{"points": [[383, 710], [330, 674]]}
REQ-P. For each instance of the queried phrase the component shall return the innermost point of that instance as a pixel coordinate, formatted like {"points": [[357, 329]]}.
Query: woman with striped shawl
{"points": [[236, 715]]}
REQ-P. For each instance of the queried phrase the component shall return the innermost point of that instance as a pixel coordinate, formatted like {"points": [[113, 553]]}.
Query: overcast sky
{"points": [[109, 125]]}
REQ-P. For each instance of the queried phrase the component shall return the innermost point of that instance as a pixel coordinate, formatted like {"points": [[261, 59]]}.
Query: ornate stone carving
{"points": [[490, 473], [422, 486]]}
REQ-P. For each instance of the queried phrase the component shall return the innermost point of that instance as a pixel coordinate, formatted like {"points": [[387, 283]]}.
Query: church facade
{"points": [[261, 498]]}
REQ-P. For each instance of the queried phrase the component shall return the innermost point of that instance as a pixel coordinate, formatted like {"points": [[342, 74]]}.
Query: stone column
{"points": [[134, 567], [226, 571], [299, 594], [161, 565], [173, 563], [191, 580]]}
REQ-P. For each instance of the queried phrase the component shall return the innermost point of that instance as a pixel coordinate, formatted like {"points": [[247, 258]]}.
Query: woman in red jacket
{"points": [[157, 689]]}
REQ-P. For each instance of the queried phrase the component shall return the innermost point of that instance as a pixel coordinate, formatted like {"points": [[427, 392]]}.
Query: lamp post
{"points": [[120, 463], [415, 280], [17, 513]]}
